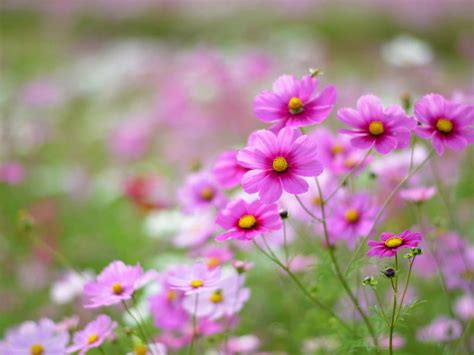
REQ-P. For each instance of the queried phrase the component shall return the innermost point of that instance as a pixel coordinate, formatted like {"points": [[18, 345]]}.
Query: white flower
{"points": [[407, 51]]}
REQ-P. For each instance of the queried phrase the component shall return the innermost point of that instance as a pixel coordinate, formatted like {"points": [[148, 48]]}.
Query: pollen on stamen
{"points": [[352, 215], [280, 165], [92, 338], [216, 297], [213, 262], [37, 349], [140, 350], [197, 283], [117, 288], [444, 125], [247, 221], [393, 242], [376, 128], [207, 194], [295, 105]]}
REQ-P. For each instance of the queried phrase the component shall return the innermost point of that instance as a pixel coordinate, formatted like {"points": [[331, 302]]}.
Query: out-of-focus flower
{"points": [[93, 335], [390, 243], [242, 266], [41, 93], [33, 338], [166, 307], [115, 284], [417, 194], [301, 263], [351, 218], [464, 307], [227, 171], [194, 279], [69, 286], [68, 324], [398, 342], [243, 220], [149, 349], [446, 123], [407, 51], [200, 191], [216, 256], [374, 126], [294, 102], [12, 173], [244, 344], [225, 299], [313, 345], [278, 162], [442, 329], [145, 191]]}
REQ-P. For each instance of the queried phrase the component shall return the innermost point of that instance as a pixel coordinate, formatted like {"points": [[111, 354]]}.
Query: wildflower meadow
{"points": [[233, 177]]}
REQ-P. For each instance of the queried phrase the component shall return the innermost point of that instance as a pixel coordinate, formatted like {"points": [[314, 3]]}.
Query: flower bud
{"points": [[389, 272]]}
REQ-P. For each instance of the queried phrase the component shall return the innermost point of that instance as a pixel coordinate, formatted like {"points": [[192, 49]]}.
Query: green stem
{"points": [[191, 346], [395, 296], [341, 276], [301, 286], [405, 288], [142, 332], [379, 302], [312, 215]]}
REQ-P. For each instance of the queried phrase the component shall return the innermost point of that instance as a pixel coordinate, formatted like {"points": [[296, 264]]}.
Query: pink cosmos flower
{"points": [[417, 194], [445, 122], [115, 284], [464, 307], [390, 243], [93, 335], [227, 171], [372, 125], [12, 173], [33, 338], [194, 279], [278, 162], [225, 299], [294, 102], [351, 218], [244, 344], [215, 256], [243, 220], [200, 191], [166, 307], [442, 329]]}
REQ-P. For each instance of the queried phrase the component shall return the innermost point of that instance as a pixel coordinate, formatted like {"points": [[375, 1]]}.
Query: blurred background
{"points": [[100, 97]]}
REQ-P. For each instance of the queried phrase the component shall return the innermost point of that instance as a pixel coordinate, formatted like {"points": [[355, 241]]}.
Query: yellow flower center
{"points": [[213, 261], [196, 283], [37, 349], [444, 125], [279, 165], [207, 194], [393, 242], [140, 350], [117, 288], [216, 297], [337, 149], [295, 105], [376, 128], [317, 200], [92, 338], [352, 215], [171, 295], [247, 221]]}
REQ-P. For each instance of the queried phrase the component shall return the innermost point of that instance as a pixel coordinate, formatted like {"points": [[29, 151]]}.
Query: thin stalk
{"points": [[312, 215], [285, 244], [194, 320], [142, 332], [303, 289], [380, 304], [405, 288], [348, 175], [395, 297], [341, 276]]}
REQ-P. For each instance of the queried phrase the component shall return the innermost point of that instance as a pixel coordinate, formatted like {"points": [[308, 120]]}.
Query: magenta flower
{"points": [[243, 220], [441, 329], [445, 122], [194, 279], [200, 191], [278, 162], [351, 218], [33, 338], [93, 335], [390, 243], [227, 171], [115, 284], [372, 125], [418, 194], [294, 102], [226, 299]]}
